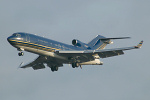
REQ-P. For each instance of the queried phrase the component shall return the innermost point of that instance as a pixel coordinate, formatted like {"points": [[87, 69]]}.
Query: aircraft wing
{"points": [[36, 64], [82, 56], [39, 62], [88, 54]]}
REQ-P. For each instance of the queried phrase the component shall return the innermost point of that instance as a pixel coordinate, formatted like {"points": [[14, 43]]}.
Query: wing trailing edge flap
{"points": [[110, 53], [117, 51]]}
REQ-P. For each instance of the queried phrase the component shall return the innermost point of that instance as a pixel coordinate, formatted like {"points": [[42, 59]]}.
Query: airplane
{"points": [[54, 54]]}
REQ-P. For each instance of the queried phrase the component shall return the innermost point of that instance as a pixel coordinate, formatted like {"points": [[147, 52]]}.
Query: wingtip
{"points": [[139, 45], [20, 66]]}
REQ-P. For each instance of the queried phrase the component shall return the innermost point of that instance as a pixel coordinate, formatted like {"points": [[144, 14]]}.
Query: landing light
{"points": [[18, 38], [111, 42]]}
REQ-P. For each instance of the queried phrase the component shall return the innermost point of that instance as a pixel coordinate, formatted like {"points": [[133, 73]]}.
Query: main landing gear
{"points": [[74, 65], [54, 68]]}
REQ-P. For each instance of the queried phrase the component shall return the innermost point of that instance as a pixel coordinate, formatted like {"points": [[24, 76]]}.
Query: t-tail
{"points": [[100, 42]]}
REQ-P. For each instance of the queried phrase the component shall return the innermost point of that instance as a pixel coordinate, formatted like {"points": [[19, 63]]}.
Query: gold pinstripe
{"points": [[36, 46], [104, 46], [100, 47]]}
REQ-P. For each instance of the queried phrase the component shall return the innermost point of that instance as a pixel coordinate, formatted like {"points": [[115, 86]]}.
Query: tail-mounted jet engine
{"points": [[79, 44]]}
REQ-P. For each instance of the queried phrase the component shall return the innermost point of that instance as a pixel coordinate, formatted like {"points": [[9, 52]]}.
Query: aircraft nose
{"points": [[9, 38]]}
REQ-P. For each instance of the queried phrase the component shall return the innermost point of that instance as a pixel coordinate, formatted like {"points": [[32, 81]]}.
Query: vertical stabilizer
{"points": [[100, 42], [97, 43]]}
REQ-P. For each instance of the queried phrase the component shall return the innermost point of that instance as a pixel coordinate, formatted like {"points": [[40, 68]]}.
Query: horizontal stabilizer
{"points": [[114, 38]]}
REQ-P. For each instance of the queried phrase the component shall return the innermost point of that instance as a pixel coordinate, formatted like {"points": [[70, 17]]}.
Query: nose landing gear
{"points": [[20, 53]]}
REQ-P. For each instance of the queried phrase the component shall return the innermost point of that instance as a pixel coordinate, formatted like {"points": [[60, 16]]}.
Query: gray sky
{"points": [[120, 78]]}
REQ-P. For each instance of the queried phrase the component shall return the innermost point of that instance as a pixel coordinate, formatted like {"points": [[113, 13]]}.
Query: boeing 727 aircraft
{"points": [[55, 54]]}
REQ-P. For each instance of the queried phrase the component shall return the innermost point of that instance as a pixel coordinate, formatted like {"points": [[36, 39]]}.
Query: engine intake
{"points": [[76, 43], [79, 44]]}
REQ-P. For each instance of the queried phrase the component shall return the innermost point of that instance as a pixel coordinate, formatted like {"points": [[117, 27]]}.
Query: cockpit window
{"points": [[17, 35], [14, 34]]}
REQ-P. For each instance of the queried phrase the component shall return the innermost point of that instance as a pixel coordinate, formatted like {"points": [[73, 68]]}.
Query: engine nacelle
{"points": [[79, 44], [76, 42]]}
